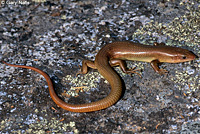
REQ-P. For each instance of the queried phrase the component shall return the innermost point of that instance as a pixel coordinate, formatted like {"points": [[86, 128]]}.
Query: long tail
{"points": [[88, 107]]}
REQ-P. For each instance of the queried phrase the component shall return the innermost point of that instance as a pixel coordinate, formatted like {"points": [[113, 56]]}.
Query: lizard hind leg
{"points": [[123, 66], [85, 65]]}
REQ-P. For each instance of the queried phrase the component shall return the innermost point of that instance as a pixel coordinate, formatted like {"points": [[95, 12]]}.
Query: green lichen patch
{"points": [[186, 82], [86, 82], [185, 28]]}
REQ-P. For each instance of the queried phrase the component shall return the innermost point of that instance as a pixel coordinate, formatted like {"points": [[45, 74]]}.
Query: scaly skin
{"points": [[114, 54]]}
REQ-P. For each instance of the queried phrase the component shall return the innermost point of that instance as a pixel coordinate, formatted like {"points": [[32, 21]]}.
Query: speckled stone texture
{"points": [[55, 36]]}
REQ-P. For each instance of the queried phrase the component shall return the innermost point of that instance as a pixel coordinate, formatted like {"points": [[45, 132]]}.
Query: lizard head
{"points": [[177, 55]]}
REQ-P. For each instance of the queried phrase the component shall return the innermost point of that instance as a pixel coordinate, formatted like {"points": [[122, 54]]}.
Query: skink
{"points": [[114, 54]]}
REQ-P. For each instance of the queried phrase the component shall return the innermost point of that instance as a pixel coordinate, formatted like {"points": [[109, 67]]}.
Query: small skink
{"points": [[114, 54]]}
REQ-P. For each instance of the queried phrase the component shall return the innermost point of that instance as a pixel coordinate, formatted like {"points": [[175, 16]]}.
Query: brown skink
{"points": [[114, 54]]}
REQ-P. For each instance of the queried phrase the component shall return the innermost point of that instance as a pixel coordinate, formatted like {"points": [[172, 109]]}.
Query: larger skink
{"points": [[114, 54]]}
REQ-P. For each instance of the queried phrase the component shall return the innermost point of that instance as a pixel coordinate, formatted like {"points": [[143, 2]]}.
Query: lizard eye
{"points": [[184, 57]]}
